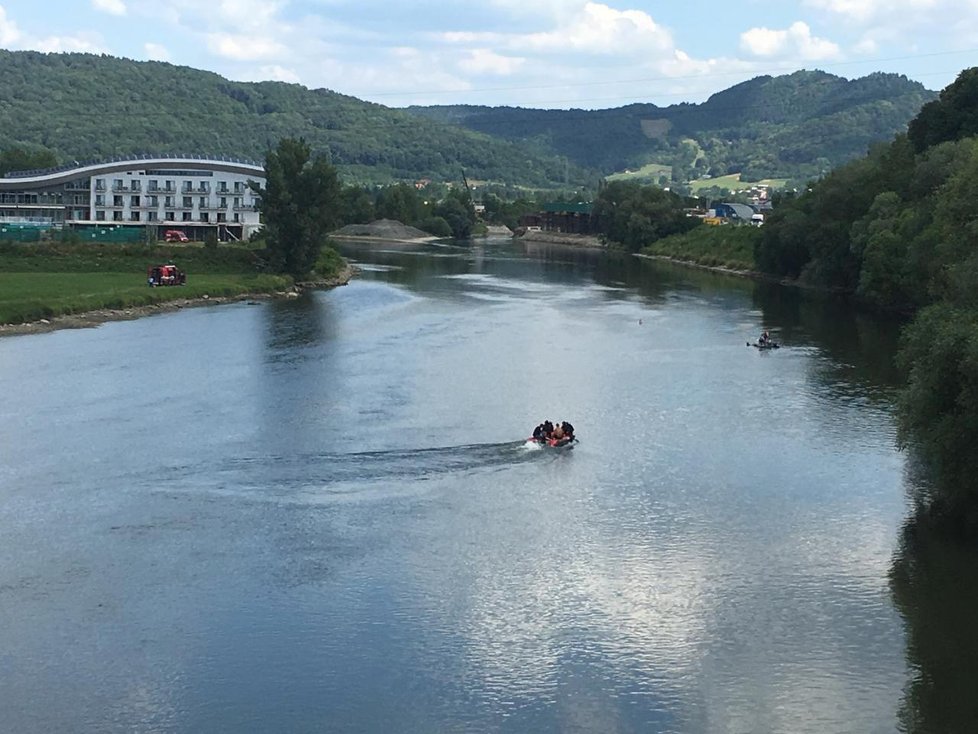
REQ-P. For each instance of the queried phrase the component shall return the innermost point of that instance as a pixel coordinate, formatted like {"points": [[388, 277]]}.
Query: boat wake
{"points": [[350, 473]]}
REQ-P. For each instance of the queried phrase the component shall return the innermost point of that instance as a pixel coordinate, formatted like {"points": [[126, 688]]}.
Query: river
{"points": [[320, 515]]}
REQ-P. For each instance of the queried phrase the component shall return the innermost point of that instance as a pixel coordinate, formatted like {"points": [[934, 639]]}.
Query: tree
{"points": [[939, 406], [24, 159], [459, 217], [635, 216], [299, 205], [952, 117]]}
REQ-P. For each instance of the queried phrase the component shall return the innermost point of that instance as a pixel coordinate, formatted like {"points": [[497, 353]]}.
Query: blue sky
{"points": [[528, 53]]}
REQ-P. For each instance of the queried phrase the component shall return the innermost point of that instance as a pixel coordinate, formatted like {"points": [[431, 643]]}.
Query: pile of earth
{"points": [[387, 229]]}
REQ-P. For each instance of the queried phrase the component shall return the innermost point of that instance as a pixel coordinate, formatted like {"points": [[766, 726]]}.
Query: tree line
{"points": [[898, 229]]}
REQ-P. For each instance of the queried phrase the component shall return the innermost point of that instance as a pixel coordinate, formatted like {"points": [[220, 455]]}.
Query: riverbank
{"points": [[96, 317]]}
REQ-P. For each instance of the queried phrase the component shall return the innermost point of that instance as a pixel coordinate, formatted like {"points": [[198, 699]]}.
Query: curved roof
{"points": [[54, 176]]}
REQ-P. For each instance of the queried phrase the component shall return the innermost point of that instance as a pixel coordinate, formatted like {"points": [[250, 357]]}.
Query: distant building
{"points": [[197, 195], [736, 212], [567, 217]]}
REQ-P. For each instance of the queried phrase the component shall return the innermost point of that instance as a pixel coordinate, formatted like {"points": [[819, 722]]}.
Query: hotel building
{"points": [[197, 195]]}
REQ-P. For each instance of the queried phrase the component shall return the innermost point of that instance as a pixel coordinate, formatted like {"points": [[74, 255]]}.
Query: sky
{"points": [[527, 53]]}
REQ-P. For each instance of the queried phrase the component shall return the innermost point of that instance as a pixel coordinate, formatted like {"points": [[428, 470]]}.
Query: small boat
{"points": [[553, 443], [764, 345]]}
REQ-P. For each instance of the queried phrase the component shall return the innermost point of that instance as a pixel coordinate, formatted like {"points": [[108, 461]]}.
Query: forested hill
{"points": [[82, 106], [797, 125]]}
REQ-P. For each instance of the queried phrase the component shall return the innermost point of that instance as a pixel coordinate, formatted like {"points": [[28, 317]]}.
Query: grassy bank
{"points": [[45, 281], [726, 246]]}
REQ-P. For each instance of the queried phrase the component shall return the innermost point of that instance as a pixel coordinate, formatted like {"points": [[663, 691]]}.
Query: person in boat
{"points": [[538, 433], [568, 430], [558, 434], [764, 339]]}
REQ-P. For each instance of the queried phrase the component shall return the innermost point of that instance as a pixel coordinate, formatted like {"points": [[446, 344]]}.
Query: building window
{"points": [[133, 201], [151, 216], [117, 184], [135, 185], [133, 216], [222, 187], [237, 187], [171, 217], [100, 216], [99, 199], [116, 201], [224, 202], [203, 202], [188, 202], [237, 202], [168, 201], [204, 217], [154, 185], [222, 217], [170, 186], [116, 216], [187, 187], [186, 216], [237, 217], [153, 201], [100, 184]]}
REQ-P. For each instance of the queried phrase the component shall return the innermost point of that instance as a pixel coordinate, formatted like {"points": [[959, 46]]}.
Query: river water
{"points": [[320, 515]]}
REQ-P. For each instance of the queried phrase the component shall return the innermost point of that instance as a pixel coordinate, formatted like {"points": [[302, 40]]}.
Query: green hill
{"points": [[83, 106], [793, 126]]}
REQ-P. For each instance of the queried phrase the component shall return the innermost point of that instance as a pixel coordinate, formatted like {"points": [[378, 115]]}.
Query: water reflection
{"points": [[860, 345], [934, 581]]}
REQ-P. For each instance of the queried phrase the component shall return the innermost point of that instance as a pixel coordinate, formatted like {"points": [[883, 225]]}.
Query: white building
{"points": [[195, 195]]}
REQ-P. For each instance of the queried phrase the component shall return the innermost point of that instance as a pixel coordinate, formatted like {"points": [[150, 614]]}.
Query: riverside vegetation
{"points": [[896, 230]]}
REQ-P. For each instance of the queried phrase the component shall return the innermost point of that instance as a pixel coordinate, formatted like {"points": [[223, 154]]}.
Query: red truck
{"points": [[165, 275], [175, 235]]}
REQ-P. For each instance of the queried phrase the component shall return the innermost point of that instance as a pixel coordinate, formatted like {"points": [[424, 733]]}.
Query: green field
{"points": [[733, 183], [651, 172], [44, 281], [728, 246]]}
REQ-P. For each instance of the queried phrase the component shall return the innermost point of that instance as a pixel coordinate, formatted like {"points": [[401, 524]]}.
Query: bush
{"points": [[329, 263], [438, 226]]}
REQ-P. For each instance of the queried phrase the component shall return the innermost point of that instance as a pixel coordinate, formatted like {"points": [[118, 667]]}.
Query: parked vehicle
{"points": [[175, 235], [165, 275]]}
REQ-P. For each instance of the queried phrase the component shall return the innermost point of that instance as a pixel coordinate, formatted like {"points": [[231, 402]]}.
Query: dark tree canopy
{"points": [[951, 117], [299, 204]]}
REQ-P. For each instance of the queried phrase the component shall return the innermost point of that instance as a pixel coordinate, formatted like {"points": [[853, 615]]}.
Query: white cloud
{"points": [[9, 32], [112, 7], [156, 52], [83, 43], [244, 48], [486, 61], [599, 29], [249, 14], [796, 41]]}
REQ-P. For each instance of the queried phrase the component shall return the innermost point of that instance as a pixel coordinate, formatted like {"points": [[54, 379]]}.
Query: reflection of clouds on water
{"points": [[673, 614]]}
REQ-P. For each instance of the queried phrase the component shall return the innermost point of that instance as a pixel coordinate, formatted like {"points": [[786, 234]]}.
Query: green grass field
{"points": [[44, 281], [733, 182], [32, 296], [650, 172]]}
